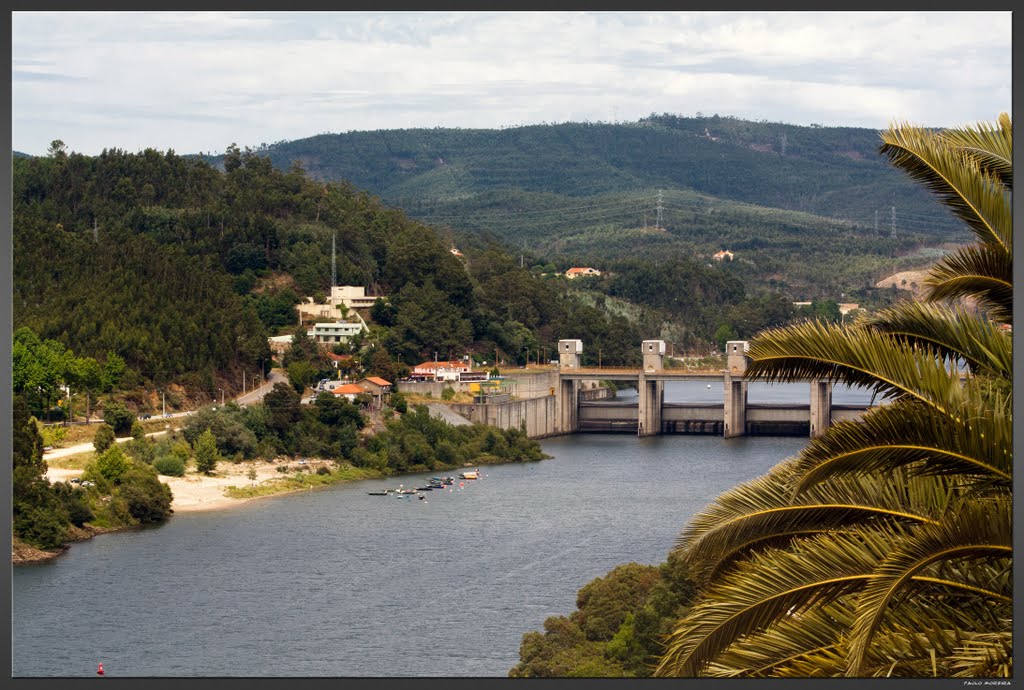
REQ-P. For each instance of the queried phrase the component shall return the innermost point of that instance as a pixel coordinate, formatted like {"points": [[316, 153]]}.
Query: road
{"points": [[86, 447], [275, 376]]}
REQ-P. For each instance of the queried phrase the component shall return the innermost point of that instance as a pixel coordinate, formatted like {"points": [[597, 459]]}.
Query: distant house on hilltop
{"points": [[577, 272], [724, 254]]}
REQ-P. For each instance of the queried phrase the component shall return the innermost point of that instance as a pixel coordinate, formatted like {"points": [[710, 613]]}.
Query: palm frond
{"points": [[748, 517], [977, 530], [770, 586], [991, 146], [957, 335], [978, 272], [857, 356], [907, 433], [985, 655], [975, 196]]}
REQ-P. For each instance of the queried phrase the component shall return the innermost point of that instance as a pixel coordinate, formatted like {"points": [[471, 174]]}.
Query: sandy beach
{"points": [[195, 492]]}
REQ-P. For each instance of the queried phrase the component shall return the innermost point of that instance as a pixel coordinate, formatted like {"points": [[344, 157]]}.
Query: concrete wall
{"points": [[540, 415], [520, 385]]}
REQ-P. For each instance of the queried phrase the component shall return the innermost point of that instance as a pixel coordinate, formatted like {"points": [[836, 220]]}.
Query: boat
{"points": [[469, 475], [427, 488], [406, 492], [380, 492]]}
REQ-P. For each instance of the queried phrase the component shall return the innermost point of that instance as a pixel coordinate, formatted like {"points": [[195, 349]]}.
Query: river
{"points": [[340, 583]]}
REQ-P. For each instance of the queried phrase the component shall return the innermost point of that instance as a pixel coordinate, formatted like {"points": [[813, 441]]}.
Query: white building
{"points": [[336, 332], [352, 296]]}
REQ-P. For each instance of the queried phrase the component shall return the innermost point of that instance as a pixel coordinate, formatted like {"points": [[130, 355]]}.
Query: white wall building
{"points": [[336, 332]]}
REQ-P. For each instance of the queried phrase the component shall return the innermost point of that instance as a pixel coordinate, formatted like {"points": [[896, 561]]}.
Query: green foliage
{"points": [[147, 499], [112, 464], [138, 433], [104, 438], [119, 417], [206, 452], [399, 402], [169, 465], [228, 423], [617, 628], [447, 393]]}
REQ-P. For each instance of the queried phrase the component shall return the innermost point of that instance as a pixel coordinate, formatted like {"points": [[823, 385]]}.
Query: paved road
{"points": [[275, 376]]}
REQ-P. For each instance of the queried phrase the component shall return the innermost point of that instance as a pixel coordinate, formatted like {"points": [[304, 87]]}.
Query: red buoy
{"points": [[99, 669]]}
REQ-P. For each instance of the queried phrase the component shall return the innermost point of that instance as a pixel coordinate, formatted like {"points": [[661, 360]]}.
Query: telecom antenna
{"points": [[657, 222]]}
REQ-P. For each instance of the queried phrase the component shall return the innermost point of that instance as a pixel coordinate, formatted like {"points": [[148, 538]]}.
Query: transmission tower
{"points": [[657, 221]]}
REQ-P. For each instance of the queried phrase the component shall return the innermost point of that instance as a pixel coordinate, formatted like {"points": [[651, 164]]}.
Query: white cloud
{"points": [[198, 81]]}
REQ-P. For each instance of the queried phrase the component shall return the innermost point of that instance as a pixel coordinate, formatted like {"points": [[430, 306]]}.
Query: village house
{"points": [[440, 371], [341, 296], [577, 272], [378, 388], [336, 331], [349, 391], [279, 344], [724, 254]]}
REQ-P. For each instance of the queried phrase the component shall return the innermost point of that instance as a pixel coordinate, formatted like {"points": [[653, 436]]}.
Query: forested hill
{"points": [[184, 270], [827, 171]]}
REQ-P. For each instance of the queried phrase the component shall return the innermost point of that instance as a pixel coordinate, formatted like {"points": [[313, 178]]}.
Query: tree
{"points": [[206, 453], [885, 547], [119, 417], [104, 438], [113, 463]]}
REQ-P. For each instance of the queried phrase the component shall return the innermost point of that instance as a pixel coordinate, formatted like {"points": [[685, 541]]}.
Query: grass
{"points": [[303, 480]]}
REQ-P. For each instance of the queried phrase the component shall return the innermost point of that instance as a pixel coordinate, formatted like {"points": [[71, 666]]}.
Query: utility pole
{"points": [[657, 222], [876, 222], [334, 261], [894, 222], [95, 231], [164, 395], [243, 381]]}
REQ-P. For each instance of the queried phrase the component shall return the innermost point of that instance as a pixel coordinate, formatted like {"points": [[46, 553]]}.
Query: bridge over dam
{"points": [[563, 403]]}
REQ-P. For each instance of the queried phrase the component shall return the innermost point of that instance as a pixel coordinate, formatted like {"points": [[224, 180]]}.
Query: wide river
{"points": [[340, 583]]}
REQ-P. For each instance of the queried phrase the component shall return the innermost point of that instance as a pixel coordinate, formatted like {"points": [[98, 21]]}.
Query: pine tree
{"points": [[206, 452]]}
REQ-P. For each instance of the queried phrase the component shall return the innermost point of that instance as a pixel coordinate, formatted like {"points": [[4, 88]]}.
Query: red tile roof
{"points": [[348, 389], [378, 380]]}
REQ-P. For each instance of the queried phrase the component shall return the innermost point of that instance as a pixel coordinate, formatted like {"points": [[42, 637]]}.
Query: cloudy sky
{"points": [[197, 82]]}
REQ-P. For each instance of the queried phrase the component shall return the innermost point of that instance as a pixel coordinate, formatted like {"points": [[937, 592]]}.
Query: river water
{"points": [[339, 583]]}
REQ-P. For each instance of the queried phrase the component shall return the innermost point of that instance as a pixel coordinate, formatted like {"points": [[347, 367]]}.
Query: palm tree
{"points": [[884, 548]]}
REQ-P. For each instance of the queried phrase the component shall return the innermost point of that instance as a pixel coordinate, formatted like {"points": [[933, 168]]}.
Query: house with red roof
{"points": [[578, 272]]}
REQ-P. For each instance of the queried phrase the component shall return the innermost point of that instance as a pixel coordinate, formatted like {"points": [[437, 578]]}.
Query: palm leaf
{"points": [[907, 433], [977, 530], [770, 586], [975, 196], [750, 517], [977, 272], [958, 336], [857, 356], [991, 146], [985, 655]]}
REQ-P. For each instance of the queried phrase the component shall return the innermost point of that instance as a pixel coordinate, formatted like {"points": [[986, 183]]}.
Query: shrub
{"points": [[323, 469], [399, 403], [44, 527], [112, 464], [104, 438], [448, 393], [146, 497], [138, 433], [119, 417], [206, 452], [169, 466]]}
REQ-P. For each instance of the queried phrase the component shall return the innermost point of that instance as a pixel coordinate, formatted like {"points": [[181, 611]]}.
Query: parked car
{"points": [[88, 483], [76, 480]]}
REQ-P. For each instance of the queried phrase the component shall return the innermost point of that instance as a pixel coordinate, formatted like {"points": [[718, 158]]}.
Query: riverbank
{"points": [[232, 485]]}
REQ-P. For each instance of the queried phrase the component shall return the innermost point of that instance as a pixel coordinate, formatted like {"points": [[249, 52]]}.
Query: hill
{"points": [[797, 202]]}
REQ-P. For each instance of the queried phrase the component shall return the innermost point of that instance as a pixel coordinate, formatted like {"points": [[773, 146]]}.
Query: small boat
{"points": [[468, 475], [381, 492], [427, 488], [406, 492]]}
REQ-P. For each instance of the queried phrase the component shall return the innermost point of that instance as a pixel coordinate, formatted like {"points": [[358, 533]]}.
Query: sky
{"points": [[197, 82]]}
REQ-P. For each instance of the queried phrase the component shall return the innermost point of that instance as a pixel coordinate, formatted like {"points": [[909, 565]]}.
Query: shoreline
{"points": [[198, 493]]}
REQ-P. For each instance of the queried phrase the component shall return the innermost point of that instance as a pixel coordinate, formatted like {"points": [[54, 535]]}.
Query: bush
{"points": [[448, 393], [112, 464], [323, 469], [104, 438], [119, 417], [147, 498], [169, 466], [206, 452], [399, 403], [44, 527]]}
